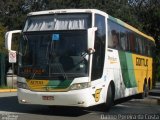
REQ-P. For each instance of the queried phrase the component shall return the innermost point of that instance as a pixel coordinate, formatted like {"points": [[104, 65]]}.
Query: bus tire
{"points": [[109, 99], [145, 91], [149, 84]]}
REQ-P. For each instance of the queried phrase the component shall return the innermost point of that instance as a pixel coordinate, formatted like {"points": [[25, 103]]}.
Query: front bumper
{"points": [[80, 98]]}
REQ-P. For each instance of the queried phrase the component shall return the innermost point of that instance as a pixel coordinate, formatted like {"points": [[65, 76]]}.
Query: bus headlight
{"points": [[78, 86], [22, 85]]}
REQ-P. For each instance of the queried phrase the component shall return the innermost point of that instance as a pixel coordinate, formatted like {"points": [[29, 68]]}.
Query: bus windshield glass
{"points": [[66, 21], [53, 54]]}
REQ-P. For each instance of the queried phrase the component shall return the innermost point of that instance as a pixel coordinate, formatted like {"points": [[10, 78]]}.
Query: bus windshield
{"points": [[54, 54], [58, 22]]}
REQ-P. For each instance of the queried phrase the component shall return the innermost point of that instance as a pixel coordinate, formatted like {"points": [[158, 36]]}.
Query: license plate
{"points": [[48, 97]]}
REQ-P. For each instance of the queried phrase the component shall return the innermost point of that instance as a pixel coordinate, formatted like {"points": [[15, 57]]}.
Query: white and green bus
{"points": [[81, 57]]}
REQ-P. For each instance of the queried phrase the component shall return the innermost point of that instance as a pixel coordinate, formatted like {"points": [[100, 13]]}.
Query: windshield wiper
{"points": [[33, 75], [62, 71], [52, 59], [26, 45], [57, 68], [85, 55]]}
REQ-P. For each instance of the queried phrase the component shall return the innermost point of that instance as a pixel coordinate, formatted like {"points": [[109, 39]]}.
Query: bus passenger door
{"points": [[98, 59]]}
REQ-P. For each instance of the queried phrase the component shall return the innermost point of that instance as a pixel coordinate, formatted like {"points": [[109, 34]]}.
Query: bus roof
{"points": [[64, 11], [91, 11]]}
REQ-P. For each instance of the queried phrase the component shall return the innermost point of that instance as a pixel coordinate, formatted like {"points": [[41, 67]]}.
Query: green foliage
{"points": [[148, 13], [2, 33], [6, 87], [11, 14]]}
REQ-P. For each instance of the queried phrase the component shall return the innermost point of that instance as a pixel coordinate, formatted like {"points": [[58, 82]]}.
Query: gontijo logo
{"points": [[141, 62]]}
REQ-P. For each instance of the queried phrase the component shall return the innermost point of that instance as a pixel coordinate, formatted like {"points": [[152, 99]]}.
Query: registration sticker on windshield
{"points": [[55, 37]]}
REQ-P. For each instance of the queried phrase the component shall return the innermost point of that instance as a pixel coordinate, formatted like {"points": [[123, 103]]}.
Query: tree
{"points": [[148, 13], [11, 14], [2, 31]]}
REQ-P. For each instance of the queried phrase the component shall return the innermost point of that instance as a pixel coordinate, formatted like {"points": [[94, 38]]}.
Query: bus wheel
{"points": [[109, 99], [145, 91]]}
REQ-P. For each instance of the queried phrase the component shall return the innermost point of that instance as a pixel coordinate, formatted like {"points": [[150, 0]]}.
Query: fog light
{"points": [[23, 101]]}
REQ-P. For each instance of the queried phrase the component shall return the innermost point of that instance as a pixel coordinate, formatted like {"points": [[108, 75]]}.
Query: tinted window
{"points": [[113, 36], [98, 56], [121, 38]]}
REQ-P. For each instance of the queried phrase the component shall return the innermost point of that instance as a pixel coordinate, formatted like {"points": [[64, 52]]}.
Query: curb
{"points": [[7, 90]]}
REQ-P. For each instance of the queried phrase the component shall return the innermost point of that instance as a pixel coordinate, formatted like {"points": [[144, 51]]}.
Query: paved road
{"points": [[133, 109]]}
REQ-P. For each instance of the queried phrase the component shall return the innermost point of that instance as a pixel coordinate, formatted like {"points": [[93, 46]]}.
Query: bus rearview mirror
{"points": [[8, 38], [91, 37]]}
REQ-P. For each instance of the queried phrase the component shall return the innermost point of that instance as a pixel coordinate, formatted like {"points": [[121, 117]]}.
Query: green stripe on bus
{"points": [[59, 84], [127, 69]]}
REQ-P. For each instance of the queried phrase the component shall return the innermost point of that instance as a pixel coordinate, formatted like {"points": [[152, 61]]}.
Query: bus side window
{"points": [[139, 46], [114, 36], [116, 40], [150, 48], [123, 39], [131, 41], [110, 43], [146, 47]]}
